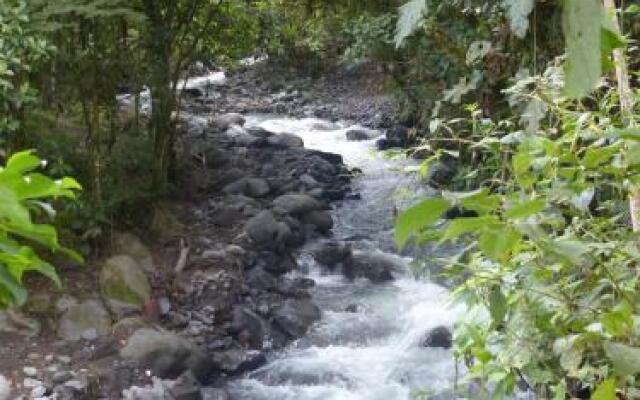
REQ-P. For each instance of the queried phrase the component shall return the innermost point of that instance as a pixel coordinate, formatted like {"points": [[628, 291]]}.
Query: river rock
{"points": [[82, 320], [321, 220], [439, 337], [131, 245], [375, 266], [239, 361], [250, 329], [332, 253], [296, 204], [296, 316], [355, 135], [186, 387], [5, 388], [225, 121], [124, 285], [285, 141], [252, 187], [441, 173], [168, 355], [258, 278], [266, 232]]}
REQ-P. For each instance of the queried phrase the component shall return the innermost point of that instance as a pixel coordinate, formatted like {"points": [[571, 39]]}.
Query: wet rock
{"points": [[321, 220], [276, 264], [375, 266], [266, 232], [296, 316], [124, 285], [5, 388], [459, 212], [186, 387], [355, 135], [332, 253], [126, 327], [258, 278], [297, 288], [398, 136], [226, 216], [224, 122], [250, 329], [84, 319], [168, 355], [285, 141], [252, 187], [238, 361], [439, 337], [352, 308], [440, 174], [131, 245], [296, 204]]}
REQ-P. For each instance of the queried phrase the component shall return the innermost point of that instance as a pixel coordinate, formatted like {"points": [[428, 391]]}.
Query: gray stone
{"points": [[296, 204], [438, 337], [265, 231], [168, 355], [296, 316], [285, 140], [238, 361], [358, 135], [225, 121], [131, 245], [186, 387], [252, 187], [124, 285], [321, 220], [332, 253], [250, 329], [375, 266], [83, 317]]}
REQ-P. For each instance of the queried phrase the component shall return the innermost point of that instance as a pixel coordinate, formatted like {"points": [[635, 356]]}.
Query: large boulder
{"points": [[296, 204], [266, 232], [441, 173], [296, 316], [285, 141], [168, 355], [332, 253], [375, 266], [225, 121], [85, 320], [438, 337], [252, 187], [124, 285], [131, 245]]}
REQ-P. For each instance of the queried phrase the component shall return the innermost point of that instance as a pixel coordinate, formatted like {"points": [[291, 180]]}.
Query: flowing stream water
{"points": [[374, 353]]}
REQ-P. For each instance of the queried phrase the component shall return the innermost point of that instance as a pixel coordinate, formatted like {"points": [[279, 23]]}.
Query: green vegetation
{"points": [[534, 100]]}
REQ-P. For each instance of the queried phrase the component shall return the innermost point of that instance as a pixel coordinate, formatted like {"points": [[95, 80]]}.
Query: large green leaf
{"points": [[22, 162], [582, 21], [605, 391], [8, 282], [417, 217], [411, 15], [499, 242], [625, 359]]}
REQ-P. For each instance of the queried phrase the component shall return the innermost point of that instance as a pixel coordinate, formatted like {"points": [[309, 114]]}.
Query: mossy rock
{"points": [[124, 285], [129, 244]]}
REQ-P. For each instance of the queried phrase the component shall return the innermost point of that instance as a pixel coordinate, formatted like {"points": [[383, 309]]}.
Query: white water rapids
{"points": [[374, 353]]}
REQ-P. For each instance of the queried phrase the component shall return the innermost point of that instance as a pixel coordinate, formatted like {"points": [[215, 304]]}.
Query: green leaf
{"points": [[498, 243], [22, 162], [417, 217], [411, 15], [605, 391], [497, 305], [582, 22], [625, 359], [8, 282], [460, 226], [526, 209], [595, 156]]}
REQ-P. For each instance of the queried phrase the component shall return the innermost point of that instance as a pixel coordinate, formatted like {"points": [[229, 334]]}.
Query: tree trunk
{"points": [[626, 104]]}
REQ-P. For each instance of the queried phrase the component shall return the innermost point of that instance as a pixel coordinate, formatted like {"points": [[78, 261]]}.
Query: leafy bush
{"points": [[25, 198]]}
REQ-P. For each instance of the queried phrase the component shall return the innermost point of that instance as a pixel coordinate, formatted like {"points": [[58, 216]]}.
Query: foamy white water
{"points": [[374, 353]]}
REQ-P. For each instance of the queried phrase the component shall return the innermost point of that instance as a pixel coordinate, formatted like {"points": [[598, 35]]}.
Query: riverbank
{"points": [[209, 293]]}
